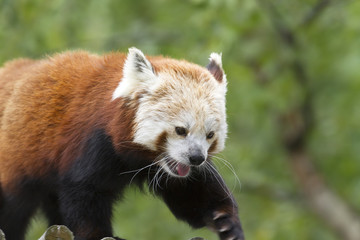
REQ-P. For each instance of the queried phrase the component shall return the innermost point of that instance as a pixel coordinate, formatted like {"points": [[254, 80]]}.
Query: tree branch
{"points": [[296, 126], [315, 12], [329, 206]]}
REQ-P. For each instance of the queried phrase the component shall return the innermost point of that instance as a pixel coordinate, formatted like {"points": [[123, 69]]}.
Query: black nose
{"points": [[197, 159]]}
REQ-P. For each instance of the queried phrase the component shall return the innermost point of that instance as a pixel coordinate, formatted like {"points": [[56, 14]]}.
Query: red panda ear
{"points": [[137, 62], [215, 67], [138, 74]]}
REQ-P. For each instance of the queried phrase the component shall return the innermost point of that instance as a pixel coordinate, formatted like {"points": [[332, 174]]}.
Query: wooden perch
{"points": [[2, 235], [61, 232], [57, 232]]}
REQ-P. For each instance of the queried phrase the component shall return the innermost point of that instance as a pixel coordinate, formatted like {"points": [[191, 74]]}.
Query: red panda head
{"points": [[181, 108]]}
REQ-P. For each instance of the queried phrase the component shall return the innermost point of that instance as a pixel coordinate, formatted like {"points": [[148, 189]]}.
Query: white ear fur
{"points": [[137, 74], [216, 57]]}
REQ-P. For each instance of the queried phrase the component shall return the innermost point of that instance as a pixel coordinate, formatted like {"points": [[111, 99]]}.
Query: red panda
{"points": [[77, 128]]}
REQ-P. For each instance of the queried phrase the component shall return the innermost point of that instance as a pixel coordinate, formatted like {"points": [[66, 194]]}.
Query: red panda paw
{"points": [[228, 227]]}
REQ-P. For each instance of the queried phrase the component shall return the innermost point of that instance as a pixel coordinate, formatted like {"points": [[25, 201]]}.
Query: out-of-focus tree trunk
{"points": [[329, 206], [296, 125]]}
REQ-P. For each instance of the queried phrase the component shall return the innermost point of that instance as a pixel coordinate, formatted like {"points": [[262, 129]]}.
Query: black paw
{"points": [[228, 227]]}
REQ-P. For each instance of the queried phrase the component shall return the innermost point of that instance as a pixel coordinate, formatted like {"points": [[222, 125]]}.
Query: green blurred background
{"points": [[263, 86]]}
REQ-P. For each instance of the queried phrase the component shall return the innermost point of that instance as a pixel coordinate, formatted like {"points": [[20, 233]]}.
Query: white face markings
{"points": [[194, 141], [198, 107], [174, 99]]}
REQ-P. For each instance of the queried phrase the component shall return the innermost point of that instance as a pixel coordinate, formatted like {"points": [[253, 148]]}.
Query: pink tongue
{"points": [[182, 169]]}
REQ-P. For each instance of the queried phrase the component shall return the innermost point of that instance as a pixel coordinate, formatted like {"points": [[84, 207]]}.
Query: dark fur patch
{"points": [[194, 200], [82, 197], [140, 63], [161, 141], [18, 207], [215, 70], [213, 146], [1, 197], [94, 182]]}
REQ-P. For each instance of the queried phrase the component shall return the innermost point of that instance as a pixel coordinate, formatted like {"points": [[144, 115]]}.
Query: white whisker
{"points": [[221, 182], [137, 171], [140, 169], [155, 181], [230, 167]]}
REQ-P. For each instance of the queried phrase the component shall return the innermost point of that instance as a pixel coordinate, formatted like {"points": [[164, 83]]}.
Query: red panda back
{"points": [[43, 102], [9, 75]]}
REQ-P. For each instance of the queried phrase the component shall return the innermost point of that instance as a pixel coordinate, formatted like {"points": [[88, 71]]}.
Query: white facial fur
{"points": [[174, 99]]}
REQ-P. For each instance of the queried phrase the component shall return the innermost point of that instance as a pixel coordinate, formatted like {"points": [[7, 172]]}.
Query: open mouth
{"points": [[178, 169]]}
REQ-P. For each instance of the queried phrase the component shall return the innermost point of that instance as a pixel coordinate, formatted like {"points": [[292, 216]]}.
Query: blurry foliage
{"points": [[260, 88]]}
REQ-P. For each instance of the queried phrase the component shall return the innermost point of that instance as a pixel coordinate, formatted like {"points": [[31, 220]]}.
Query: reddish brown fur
{"points": [[212, 147], [42, 102]]}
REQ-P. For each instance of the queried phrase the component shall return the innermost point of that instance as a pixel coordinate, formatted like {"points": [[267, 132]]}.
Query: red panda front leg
{"points": [[50, 207], [86, 212], [16, 210], [204, 201], [89, 188]]}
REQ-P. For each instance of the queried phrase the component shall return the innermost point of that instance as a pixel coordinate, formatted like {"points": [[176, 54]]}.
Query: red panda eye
{"points": [[210, 135], [180, 131]]}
